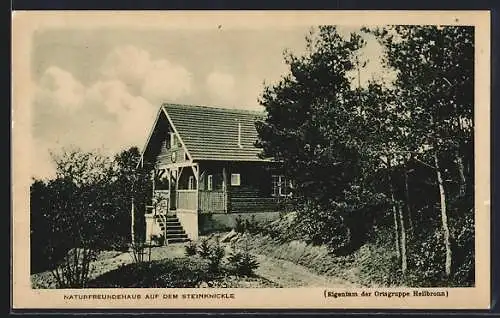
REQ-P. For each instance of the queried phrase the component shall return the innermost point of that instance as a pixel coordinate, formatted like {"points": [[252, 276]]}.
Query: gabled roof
{"points": [[211, 133]]}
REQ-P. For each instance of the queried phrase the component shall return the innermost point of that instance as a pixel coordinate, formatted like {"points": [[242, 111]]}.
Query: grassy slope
{"points": [[370, 266]]}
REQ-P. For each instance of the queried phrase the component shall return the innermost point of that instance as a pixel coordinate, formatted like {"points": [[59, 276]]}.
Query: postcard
{"points": [[251, 160]]}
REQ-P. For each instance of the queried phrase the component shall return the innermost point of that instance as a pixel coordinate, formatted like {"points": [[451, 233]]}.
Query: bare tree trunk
{"points": [[408, 205], [403, 240], [444, 217], [394, 210], [396, 230], [461, 174]]}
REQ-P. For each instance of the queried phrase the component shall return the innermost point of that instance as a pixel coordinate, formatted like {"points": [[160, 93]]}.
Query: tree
{"points": [[83, 210], [313, 126], [435, 91], [132, 188]]}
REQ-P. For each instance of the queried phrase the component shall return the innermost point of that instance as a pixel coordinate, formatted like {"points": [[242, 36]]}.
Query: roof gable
{"points": [[211, 133]]}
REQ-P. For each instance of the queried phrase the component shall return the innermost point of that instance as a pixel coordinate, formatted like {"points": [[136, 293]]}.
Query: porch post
{"points": [[169, 171], [153, 194], [196, 172], [178, 176], [224, 189]]}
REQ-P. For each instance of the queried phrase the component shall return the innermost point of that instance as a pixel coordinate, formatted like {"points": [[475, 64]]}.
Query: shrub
{"points": [[204, 248], [252, 226], [243, 263], [168, 273], [158, 240], [215, 257], [74, 269], [138, 251], [239, 226], [214, 253], [190, 249]]}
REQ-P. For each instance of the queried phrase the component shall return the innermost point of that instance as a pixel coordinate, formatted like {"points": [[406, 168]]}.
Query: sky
{"points": [[100, 88]]}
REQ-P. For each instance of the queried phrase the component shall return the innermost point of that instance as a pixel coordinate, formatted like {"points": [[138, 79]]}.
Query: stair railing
{"points": [[163, 218]]}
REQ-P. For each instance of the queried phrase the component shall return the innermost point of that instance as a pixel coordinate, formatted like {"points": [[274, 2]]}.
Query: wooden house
{"points": [[207, 172]]}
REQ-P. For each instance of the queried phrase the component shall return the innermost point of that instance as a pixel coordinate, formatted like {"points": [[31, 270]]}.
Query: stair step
{"points": [[173, 223], [175, 231], [174, 228], [176, 235], [177, 240]]}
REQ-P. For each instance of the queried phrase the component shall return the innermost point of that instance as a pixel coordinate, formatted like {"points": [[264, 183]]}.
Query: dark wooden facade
{"points": [[205, 162]]}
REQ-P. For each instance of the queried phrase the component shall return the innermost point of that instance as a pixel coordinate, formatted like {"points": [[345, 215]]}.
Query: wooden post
{"points": [[196, 172], [153, 187], [224, 189], [177, 177], [132, 224]]}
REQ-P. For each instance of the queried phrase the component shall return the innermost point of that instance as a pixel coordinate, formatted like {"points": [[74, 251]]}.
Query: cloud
{"points": [[129, 114], [127, 63], [110, 114], [222, 86], [105, 115], [58, 87], [156, 80]]}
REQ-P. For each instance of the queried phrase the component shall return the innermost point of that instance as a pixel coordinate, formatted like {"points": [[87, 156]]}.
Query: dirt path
{"points": [[288, 274], [284, 273]]}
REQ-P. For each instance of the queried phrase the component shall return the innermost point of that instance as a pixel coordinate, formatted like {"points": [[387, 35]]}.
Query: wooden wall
{"points": [[165, 155], [254, 192]]}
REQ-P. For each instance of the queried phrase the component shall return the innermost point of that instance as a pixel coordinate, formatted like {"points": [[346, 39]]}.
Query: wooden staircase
{"points": [[170, 225]]}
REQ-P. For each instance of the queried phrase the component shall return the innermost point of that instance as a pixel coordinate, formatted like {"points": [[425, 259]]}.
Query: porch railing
{"points": [[187, 200], [212, 201]]}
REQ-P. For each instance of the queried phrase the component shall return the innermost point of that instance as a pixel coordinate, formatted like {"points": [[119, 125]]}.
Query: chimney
{"points": [[239, 134]]}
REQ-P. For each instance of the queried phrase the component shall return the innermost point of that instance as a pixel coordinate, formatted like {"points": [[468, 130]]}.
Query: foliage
{"points": [[213, 252], [167, 273], [74, 269], [243, 263], [139, 250], [215, 257], [190, 248], [247, 225], [158, 239], [393, 156], [86, 206], [239, 226], [204, 248]]}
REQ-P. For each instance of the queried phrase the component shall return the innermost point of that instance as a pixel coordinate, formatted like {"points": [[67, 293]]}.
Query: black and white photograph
{"points": [[337, 156]]}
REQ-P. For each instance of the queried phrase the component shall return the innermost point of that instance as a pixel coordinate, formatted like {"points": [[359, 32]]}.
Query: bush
{"points": [[169, 273], [190, 249], [204, 248], [74, 269], [239, 226], [323, 225], [215, 257], [158, 240], [139, 251], [243, 264], [252, 226], [214, 253]]}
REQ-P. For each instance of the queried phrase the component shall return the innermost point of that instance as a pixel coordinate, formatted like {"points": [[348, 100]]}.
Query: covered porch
{"points": [[183, 188]]}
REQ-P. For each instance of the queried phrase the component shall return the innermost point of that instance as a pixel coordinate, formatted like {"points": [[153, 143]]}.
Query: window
{"points": [[191, 183], [210, 184], [235, 179], [161, 182], [280, 186], [174, 141]]}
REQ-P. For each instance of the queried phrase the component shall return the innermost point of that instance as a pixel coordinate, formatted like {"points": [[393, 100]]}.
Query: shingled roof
{"points": [[211, 133]]}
